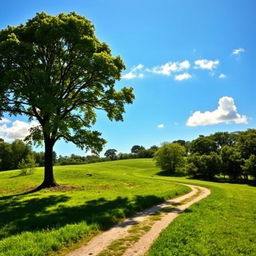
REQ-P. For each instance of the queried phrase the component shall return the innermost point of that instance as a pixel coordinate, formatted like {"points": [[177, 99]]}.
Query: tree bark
{"points": [[49, 180]]}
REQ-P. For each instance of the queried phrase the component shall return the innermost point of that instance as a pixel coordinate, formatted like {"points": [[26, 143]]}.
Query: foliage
{"points": [[11, 154], [136, 149], [249, 166], [203, 146], [232, 162], [170, 156], [247, 143], [76, 159], [27, 165], [111, 154], [54, 69], [204, 166], [233, 149], [224, 139]]}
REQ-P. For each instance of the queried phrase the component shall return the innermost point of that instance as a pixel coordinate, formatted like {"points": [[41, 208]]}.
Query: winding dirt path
{"points": [[103, 240]]}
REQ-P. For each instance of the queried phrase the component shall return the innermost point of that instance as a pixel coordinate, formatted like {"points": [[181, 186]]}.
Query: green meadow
{"points": [[95, 196], [92, 198], [223, 224]]}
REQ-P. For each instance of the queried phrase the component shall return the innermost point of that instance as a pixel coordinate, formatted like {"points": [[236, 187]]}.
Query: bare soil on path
{"points": [[169, 210]]}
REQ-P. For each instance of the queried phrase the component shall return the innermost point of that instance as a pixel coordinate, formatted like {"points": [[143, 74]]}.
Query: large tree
{"points": [[54, 69]]}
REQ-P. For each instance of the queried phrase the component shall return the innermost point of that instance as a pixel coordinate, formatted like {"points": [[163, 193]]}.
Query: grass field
{"points": [[46, 221], [224, 224]]}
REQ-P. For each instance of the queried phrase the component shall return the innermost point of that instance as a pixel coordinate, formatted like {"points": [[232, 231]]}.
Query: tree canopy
{"points": [[111, 153], [169, 156], [136, 149], [53, 69]]}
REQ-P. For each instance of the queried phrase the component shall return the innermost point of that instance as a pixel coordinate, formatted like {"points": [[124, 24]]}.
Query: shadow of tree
{"points": [[31, 214]]}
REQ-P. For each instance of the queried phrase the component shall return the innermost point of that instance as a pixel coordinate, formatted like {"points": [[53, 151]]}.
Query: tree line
{"points": [[222, 154], [13, 154]]}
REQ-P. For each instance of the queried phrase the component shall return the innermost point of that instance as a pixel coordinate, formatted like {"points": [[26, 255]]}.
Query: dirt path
{"points": [[169, 211]]}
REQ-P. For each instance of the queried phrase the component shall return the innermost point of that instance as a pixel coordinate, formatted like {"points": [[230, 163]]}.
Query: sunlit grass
{"points": [[48, 220], [223, 224]]}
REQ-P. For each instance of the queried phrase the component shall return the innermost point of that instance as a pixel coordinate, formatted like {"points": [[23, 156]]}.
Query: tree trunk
{"points": [[49, 180]]}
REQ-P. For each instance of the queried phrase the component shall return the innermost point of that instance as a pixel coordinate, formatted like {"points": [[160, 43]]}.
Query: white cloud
{"points": [[222, 76], [160, 126], [134, 73], [226, 112], [169, 67], [206, 64], [238, 51], [15, 130], [183, 76]]}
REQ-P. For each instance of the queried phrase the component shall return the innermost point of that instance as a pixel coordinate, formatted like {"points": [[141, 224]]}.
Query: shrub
{"points": [[27, 165]]}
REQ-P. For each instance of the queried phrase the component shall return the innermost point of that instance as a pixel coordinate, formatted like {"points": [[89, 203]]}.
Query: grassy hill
{"points": [[95, 196], [47, 221]]}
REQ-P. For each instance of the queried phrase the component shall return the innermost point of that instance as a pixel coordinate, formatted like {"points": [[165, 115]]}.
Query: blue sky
{"points": [[191, 64]]}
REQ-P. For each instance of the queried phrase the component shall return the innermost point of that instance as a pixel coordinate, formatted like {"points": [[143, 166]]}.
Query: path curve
{"points": [[101, 241]]}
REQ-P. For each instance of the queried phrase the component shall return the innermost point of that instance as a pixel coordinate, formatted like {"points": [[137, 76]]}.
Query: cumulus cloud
{"points": [[160, 126], [206, 64], [222, 76], [226, 112], [238, 51], [182, 77], [134, 73], [168, 68], [15, 130]]}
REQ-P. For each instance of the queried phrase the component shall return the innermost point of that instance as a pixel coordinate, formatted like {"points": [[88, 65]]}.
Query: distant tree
{"points": [[203, 146], [12, 153], [20, 151], [249, 166], [170, 156], [183, 143], [204, 166], [231, 162], [224, 139], [136, 149], [39, 158], [111, 154], [5, 156], [247, 143], [122, 156], [152, 150], [54, 69]]}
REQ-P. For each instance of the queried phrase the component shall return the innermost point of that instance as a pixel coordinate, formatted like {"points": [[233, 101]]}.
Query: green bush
{"points": [[27, 165]]}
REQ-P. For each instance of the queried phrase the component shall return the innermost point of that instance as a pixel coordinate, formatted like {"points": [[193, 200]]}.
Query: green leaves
{"points": [[55, 70]]}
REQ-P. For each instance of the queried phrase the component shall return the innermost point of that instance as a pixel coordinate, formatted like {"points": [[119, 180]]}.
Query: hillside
{"points": [[96, 196]]}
